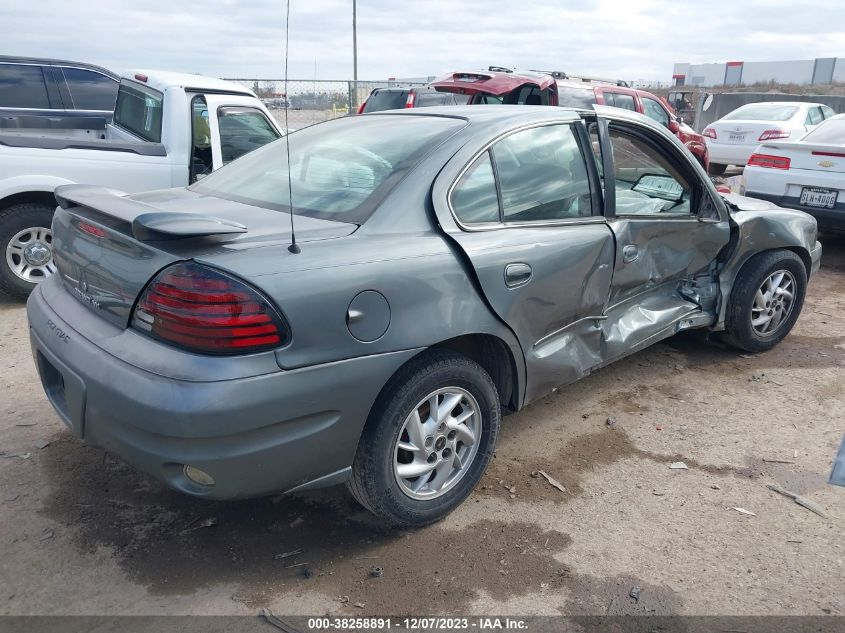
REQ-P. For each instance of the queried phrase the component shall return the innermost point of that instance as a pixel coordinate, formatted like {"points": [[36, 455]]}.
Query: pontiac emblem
{"points": [[84, 286], [825, 163]]}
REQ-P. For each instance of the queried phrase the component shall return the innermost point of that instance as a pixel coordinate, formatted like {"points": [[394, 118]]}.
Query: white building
{"points": [[822, 70]]}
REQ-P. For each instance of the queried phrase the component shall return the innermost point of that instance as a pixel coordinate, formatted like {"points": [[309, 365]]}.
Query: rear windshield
{"points": [[572, 97], [763, 112], [138, 110], [386, 100], [830, 132], [339, 170]]}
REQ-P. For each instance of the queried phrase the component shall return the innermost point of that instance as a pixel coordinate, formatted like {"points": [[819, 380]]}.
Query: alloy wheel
{"points": [[773, 302], [29, 254]]}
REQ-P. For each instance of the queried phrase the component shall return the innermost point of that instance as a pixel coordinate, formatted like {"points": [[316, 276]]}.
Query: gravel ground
{"points": [[82, 533]]}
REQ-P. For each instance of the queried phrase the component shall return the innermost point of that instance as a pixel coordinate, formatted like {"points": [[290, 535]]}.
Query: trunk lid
{"points": [[739, 132], [814, 156], [108, 245]]}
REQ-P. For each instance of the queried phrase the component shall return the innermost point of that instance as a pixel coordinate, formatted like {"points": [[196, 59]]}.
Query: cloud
{"points": [[630, 39]]}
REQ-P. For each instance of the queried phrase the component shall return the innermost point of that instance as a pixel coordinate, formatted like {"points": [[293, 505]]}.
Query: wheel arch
{"points": [[45, 197]]}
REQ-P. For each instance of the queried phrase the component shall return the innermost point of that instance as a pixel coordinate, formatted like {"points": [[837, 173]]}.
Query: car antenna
{"points": [[294, 247]]}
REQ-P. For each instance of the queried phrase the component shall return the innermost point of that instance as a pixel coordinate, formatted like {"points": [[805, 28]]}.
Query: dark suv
{"points": [[50, 87], [397, 98]]}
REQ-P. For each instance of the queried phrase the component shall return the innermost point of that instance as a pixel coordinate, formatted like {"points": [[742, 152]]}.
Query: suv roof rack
{"points": [[559, 74], [499, 69]]}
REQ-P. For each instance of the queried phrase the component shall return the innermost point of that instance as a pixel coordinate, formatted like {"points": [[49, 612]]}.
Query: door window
{"points": [[474, 199], [90, 90], [814, 116], [620, 100], [653, 110], [201, 161], [22, 86], [542, 175], [828, 112], [242, 130], [647, 182]]}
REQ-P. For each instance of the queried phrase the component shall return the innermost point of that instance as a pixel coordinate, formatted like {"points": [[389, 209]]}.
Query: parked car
{"points": [[54, 88], [395, 98], [731, 140], [499, 85], [449, 263], [837, 475], [807, 174], [168, 130]]}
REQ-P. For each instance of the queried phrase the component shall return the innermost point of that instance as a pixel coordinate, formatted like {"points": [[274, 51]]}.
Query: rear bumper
{"points": [[827, 219], [258, 435], [724, 154]]}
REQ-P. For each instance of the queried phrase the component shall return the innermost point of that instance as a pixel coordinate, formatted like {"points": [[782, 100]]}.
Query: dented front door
{"points": [[668, 234]]}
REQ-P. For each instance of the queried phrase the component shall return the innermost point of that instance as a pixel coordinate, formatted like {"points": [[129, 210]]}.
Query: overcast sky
{"points": [[629, 39]]}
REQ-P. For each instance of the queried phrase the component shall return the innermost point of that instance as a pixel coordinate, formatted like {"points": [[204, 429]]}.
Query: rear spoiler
{"points": [[145, 222]]}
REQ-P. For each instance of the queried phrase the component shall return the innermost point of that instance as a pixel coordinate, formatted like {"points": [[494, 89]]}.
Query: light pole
{"points": [[354, 40]]}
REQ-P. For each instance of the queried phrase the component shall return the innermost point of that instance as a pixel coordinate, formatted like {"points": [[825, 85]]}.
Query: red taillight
{"points": [[770, 135], [141, 77], [767, 160], [412, 97], [709, 132], [207, 311], [361, 107]]}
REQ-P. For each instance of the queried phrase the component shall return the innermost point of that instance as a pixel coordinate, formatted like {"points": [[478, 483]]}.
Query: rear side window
{"points": [[242, 130], [386, 100], [90, 90], [655, 111], [22, 86], [571, 97], [814, 116], [541, 177], [426, 99], [474, 199], [138, 110], [828, 112], [620, 100]]}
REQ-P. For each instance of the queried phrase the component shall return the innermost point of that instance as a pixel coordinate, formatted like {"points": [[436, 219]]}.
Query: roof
{"points": [[489, 82], [47, 61], [161, 80]]}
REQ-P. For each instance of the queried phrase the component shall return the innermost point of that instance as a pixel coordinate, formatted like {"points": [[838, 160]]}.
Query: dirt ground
{"points": [[82, 533]]}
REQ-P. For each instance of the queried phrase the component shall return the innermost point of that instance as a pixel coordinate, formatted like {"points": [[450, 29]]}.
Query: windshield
{"points": [[763, 112], [386, 100], [830, 132], [339, 170], [138, 110]]}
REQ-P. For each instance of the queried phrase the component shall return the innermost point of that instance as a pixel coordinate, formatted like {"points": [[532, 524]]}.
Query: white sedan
{"points": [[732, 139], [808, 174]]}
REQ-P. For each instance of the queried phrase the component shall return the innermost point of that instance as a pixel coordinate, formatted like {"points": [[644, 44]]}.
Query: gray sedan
{"points": [[448, 264]]}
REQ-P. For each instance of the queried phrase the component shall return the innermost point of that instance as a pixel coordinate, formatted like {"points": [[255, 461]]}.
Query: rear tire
{"points": [[760, 310], [717, 169], [388, 449], [19, 225]]}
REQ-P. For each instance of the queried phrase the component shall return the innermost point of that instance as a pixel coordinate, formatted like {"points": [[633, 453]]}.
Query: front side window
{"points": [[647, 181], [828, 112], [620, 100], [242, 130], [138, 110], [22, 86], [90, 90], [655, 111]]}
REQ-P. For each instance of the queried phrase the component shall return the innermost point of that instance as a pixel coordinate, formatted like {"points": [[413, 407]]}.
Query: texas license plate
{"points": [[818, 198], [733, 137]]}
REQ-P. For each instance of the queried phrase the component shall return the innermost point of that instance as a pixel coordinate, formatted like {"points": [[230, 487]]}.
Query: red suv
{"points": [[502, 85]]}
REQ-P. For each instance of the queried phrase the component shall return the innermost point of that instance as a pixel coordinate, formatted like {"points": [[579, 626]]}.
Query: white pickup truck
{"points": [[168, 130]]}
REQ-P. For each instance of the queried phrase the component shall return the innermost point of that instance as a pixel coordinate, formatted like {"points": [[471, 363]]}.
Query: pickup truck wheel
{"points": [[26, 251], [766, 300], [428, 440], [717, 169]]}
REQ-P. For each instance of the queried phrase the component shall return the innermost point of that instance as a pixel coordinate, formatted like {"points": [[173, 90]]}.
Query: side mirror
{"points": [[674, 126]]}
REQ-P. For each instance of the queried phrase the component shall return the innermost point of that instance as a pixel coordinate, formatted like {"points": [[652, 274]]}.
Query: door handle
{"points": [[517, 274], [629, 253]]}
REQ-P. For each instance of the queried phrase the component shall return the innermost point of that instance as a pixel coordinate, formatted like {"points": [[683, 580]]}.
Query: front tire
{"points": [[26, 252], [766, 300], [427, 441]]}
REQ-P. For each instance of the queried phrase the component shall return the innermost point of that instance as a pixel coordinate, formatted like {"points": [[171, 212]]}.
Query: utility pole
{"points": [[354, 40]]}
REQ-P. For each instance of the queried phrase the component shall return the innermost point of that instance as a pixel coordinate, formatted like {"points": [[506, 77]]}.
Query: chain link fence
{"points": [[310, 101]]}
